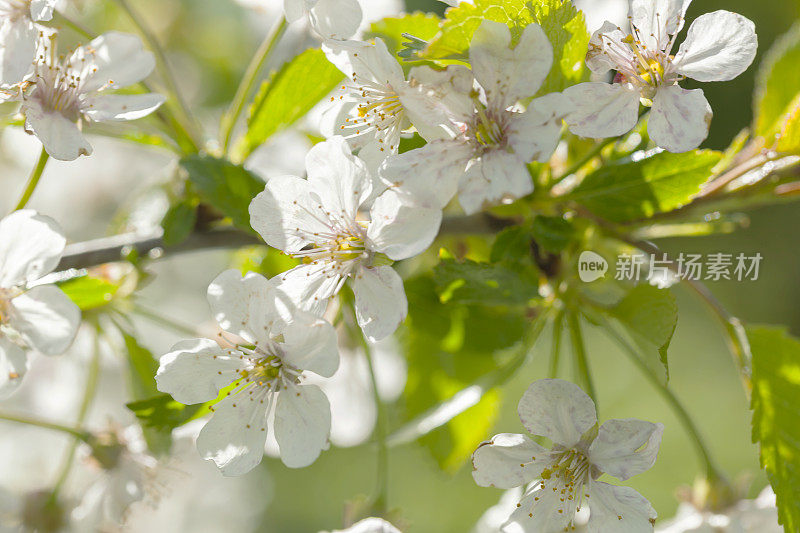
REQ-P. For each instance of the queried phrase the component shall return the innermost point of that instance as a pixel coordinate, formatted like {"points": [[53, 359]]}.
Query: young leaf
{"points": [[226, 186], [776, 415], [287, 96], [789, 139], [89, 292], [641, 189], [512, 244], [778, 83], [391, 29], [179, 222], [162, 413], [483, 283]]}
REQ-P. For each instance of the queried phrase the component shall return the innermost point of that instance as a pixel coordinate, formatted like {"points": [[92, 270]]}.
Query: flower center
{"points": [[6, 295], [379, 111], [57, 83], [486, 130], [15, 9]]}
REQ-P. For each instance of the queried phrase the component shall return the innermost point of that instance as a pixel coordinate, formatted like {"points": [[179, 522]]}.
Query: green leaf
{"points": [[512, 244], [552, 234], [777, 83], [776, 415], [564, 25], [789, 137], [641, 189], [162, 413], [179, 222], [287, 96], [228, 187], [391, 29], [89, 292], [650, 316], [469, 282]]}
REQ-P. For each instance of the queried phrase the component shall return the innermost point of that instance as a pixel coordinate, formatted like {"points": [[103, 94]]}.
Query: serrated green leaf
{"points": [[776, 415], [564, 25], [641, 189], [89, 292], [287, 96], [179, 223], [484, 283], [777, 83], [391, 29], [229, 188], [552, 234]]}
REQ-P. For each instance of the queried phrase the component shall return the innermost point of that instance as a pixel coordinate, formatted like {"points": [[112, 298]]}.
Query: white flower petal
{"points": [[234, 437], [534, 134], [602, 109], [438, 102], [13, 366], [615, 508], [499, 176], [302, 424], [336, 19], [370, 525], [287, 215], [17, 49], [427, 176], [248, 306], [558, 410], [627, 447], [119, 107], [657, 20], [310, 343], [507, 74], [46, 319], [538, 512], [400, 230], [30, 247], [608, 39], [114, 60], [42, 9], [294, 10], [339, 179], [194, 371], [679, 119], [309, 286], [718, 47], [366, 61], [60, 136], [507, 461], [381, 303]]}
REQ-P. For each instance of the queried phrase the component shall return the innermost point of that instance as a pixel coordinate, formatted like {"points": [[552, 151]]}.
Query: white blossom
{"points": [[19, 36], [265, 374], [332, 19], [38, 317], [66, 92], [369, 525], [719, 46], [564, 478], [485, 157], [320, 219]]}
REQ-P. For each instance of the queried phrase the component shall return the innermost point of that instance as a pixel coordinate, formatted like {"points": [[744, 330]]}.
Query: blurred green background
{"points": [[210, 42]]}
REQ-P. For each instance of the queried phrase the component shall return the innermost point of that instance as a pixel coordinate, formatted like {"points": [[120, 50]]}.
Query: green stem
{"points": [[33, 180], [703, 453], [162, 65], [591, 154], [61, 19], [579, 351], [75, 432], [163, 321], [231, 116], [381, 431], [555, 350]]}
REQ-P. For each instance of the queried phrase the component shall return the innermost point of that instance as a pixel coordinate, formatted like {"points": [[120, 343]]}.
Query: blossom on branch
{"points": [[564, 478], [271, 346]]}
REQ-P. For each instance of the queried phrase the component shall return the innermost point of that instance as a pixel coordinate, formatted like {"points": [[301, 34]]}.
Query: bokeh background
{"points": [[210, 43]]}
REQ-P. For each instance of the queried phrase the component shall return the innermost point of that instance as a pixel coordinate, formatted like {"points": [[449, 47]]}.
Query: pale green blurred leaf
{"points": [[89, 292], [778, 83], [391, 29]]}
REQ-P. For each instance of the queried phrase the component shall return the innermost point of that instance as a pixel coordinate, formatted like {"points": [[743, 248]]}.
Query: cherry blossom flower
{"points": [[564, 478], [38, 317], [746, 516], [265, 376], [332, 19], [719, 46], [320, 220], [66, 92], [19, 35], [485, 159]]}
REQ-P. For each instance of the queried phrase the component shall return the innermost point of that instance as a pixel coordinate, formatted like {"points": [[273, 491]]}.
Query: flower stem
{"points": [[78, 433], [162, 65], [61, 19], [231, 116], [594, 152], [555, 350], [381, 431], [579, 351], [712, 472], [33, 180]]}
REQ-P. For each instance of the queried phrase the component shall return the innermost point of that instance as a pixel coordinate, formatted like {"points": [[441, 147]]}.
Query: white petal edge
{"points": [[508, 460], [626, 447], [302, 424], [381, 303], [679, 119], [30, 247], [46, 319], [558, 410]]}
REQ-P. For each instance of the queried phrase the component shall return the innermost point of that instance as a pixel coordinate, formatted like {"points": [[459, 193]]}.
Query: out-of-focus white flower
{"points": [[746, 516], [319, 220], [66, 92], [332, 19], [19, 35], [39, 317], [599, 11], [564, 478], [369, 525], [125, 469], [485, 158], [265, 378], [718, 47]]}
